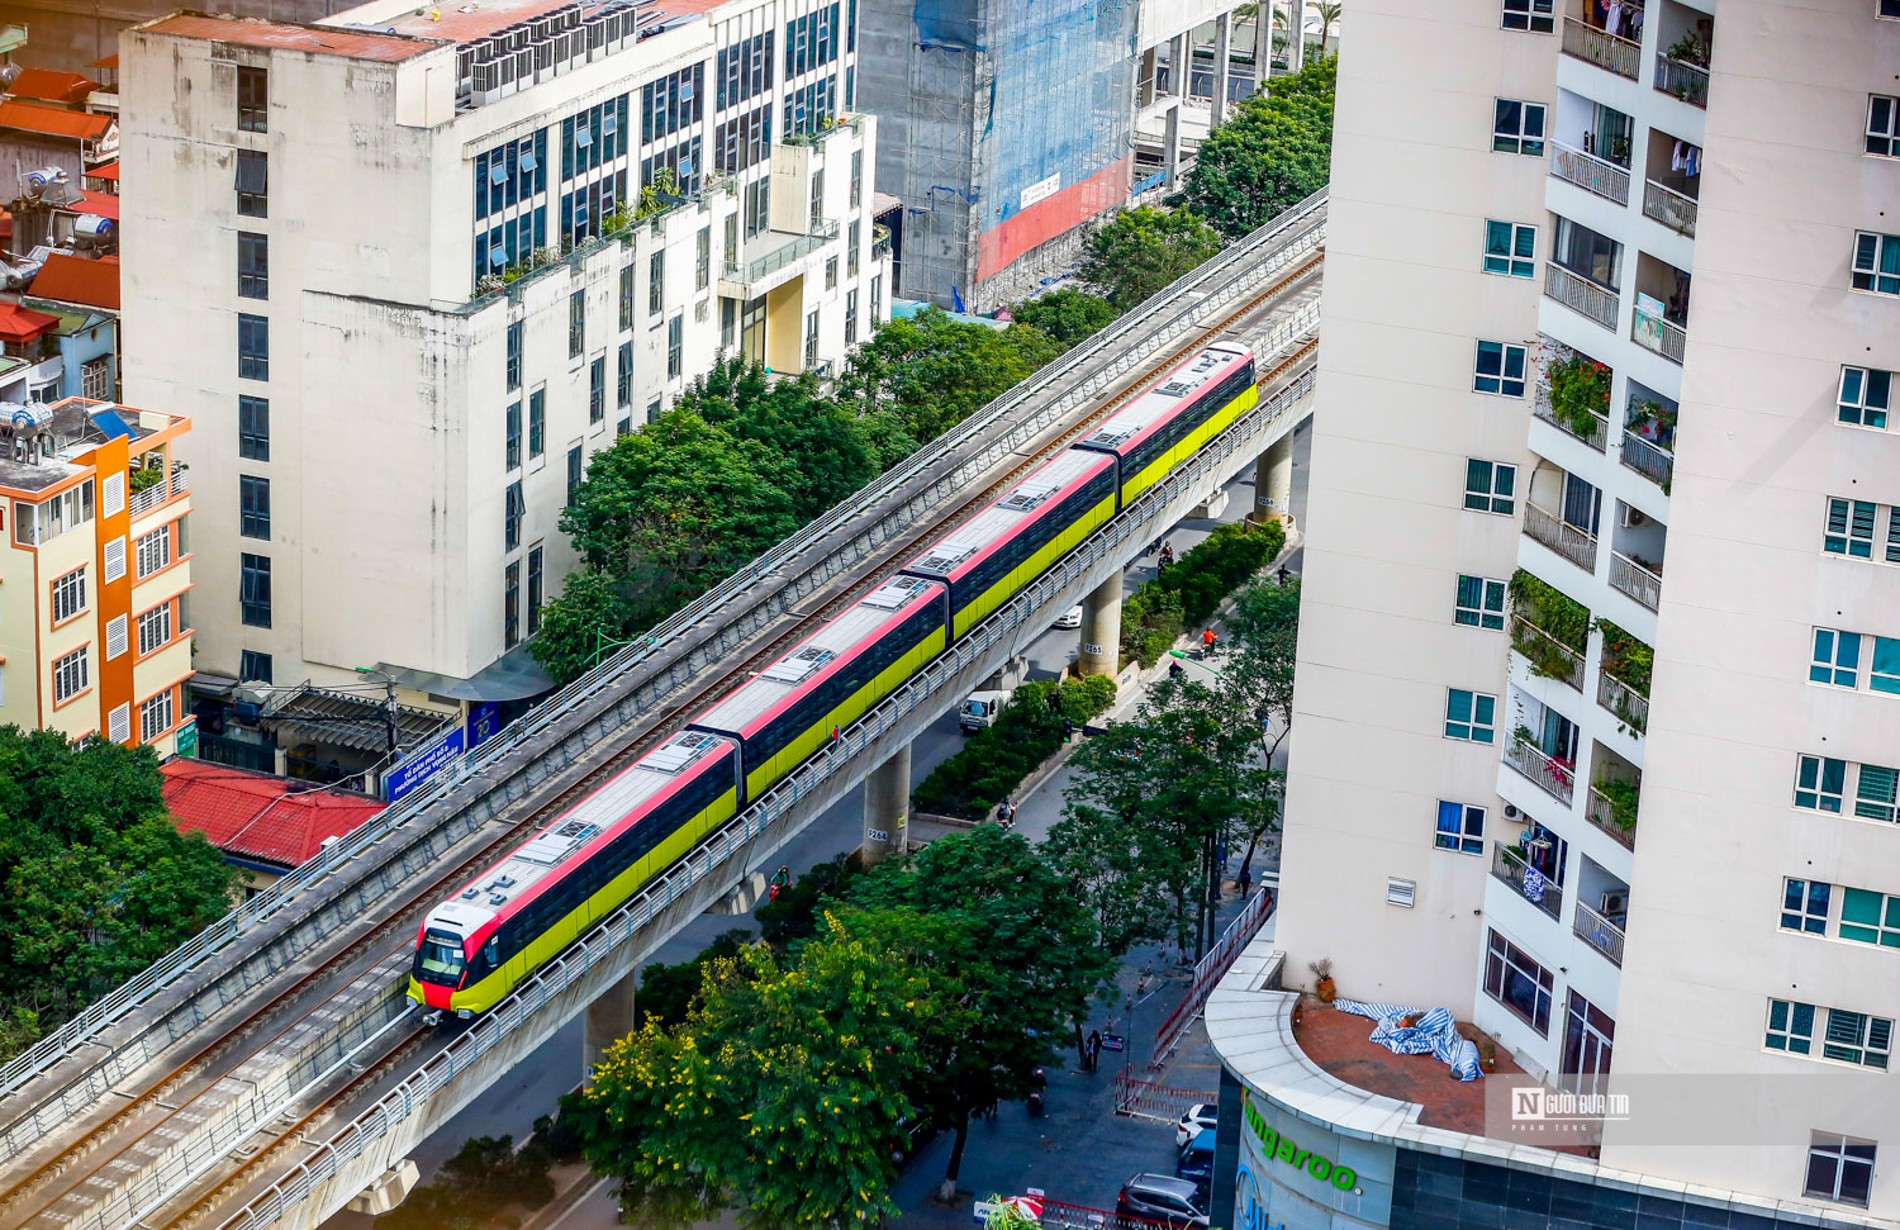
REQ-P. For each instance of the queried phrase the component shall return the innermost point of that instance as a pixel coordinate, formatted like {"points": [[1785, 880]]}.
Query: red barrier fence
{"points": [[1208, 972], [1147, 1100]]}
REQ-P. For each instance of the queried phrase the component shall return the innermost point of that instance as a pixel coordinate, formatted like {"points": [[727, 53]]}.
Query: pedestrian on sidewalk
{"points": [[1006, 814], [1244, 880], [1167, 555], [1094, 1048], [1207, 641]]}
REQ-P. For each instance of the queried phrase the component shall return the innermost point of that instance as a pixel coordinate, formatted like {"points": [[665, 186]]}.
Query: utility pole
{"points": [[389, 713]]}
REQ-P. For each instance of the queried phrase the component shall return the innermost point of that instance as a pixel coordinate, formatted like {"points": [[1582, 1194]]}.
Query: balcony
{"points": [[1635, 580], [1652, 461], [1555, 778], [1681, 78], [1580, 295], [1567, 540], [1629, 706], [1509, 866], [1549, 657], [159, 493], [1603, 49], [1589, 172], [1669, 207], [1601, 811], [1599, 933], [1592, 434], [773, 253], [880, 242]]}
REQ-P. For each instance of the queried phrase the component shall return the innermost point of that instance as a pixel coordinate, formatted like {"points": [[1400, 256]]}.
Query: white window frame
{"points": [[161, 703], [1511, 262], [1485, 615], [1850, 528], [1798, 912], [1868, 276], [1810, 783], [1855, 397], [1488, 497], [69, 595], [1836, 656], [71, 675], [1469, 836], [161, 538], [1883, 138], [1517, 139], [1470, 722], [1506, 384], [159, 617], [1531, 16], [1841, 1151]]}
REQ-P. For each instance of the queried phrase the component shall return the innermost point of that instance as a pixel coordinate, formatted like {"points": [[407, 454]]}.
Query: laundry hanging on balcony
{"points": [[1432, 1032], [1534, 885]]}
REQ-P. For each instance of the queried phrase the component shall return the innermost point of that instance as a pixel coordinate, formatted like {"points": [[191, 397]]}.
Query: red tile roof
{"points": [[19, 324], [289, 36], [51, 86], [74, 279], [111, 61], [99, 204], [110, 172], [256, 816], [53, 121]]}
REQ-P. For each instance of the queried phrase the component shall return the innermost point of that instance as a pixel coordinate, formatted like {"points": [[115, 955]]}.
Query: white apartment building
{"points": [[1612, 306], [409, 268]]}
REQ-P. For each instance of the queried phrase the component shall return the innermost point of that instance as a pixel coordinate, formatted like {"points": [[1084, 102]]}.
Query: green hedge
{"points": [[994, 761], [1188, 591]]}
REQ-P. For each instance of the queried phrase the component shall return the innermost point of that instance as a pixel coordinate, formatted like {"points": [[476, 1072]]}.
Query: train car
{"points": [[788, 710], [473, 948], [993, 556], [1155, 434]]}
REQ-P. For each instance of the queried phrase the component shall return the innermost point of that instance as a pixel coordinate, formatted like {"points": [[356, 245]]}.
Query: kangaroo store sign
{"points": [[1274, 1145]]}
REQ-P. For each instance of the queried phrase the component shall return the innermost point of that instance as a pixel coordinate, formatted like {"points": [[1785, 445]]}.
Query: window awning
{"points": [[513, 676]]}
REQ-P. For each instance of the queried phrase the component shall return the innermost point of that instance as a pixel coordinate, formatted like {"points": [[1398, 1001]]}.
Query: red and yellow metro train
{"points": [[475, 947]]}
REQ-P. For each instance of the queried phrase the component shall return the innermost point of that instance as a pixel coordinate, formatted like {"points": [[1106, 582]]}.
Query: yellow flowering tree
{"points": [[779, 1097]]}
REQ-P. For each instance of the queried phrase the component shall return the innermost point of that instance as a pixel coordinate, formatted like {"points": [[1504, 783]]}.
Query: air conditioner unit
{"points": [[1633, 517], [1401, 892], [1615, 904], [488, 77]]}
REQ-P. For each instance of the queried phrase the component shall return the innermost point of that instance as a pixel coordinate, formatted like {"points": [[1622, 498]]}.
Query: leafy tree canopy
{"points": [[1139, 251], [931, 372], [1273, 152], [1068, 317]]}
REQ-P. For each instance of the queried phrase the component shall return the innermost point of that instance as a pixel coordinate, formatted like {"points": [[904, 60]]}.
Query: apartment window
{"points": [[253, 184], [155, 628], [253, 347], [95, 379], [155, 716], [1865, 396], [1836, 658], [857, 176], [656, 283], [877, 299], [253, 99], [1790, 1027], [536, 589], [1510, 248], [154, 551], [1519, 983], [1883, 125], [851, 316], [1889, 9], [653, 410], [1850, 528], [1500, 369], [1804, 906], [70, 676], [1517, 127], [1877, 263], [744, 69], [576, 324], [624, 427], [1876, 792], [513, 507], [253, 266], [851, 241], [811, 340], [1840, 1168], [1460, 828], [702, 259], [511, 605], [69, 595], [597, 390], [1857, 1038], [254, 428], [623, 375], [816, 209], [1820, 783], [254, 590], [1532, 15], [675, 341], [254, 666], [758, 206], [1868, 917], [537, 423], [514, 435], [574, 471], [253, 506], [1490, 486], [1480, 603], [831, 274], [1470, 715]]}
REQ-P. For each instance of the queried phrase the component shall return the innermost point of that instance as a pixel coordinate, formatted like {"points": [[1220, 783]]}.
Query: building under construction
{"points": [[1008, 123]]}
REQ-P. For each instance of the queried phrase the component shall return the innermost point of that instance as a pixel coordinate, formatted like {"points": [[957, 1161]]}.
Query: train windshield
{"points": [[439, 959]]}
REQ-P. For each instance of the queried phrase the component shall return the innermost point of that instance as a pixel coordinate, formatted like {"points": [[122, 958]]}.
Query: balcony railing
{"points": [[789, 249], [1602, 814], [158, 493], [1663, 337], [1600, 933], [1562, 537], [1599, 426], [880, 241], [1603, 49], [1509, 866], [1669, 207], [1630, 706], [1553, 777], [1589, 172], [1689, 82], [1635, 580], [1580, 295], [1548, 656], [1652, 461]]}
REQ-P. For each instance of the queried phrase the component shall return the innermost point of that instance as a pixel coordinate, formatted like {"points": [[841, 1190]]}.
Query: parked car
{"points": [[979, 709], [1196, 1161], [1071, 618], [1200, 1115], [1161, 1198]]}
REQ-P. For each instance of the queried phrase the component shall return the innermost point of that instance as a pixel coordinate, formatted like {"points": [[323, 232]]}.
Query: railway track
{"points": [[173, 1107]]}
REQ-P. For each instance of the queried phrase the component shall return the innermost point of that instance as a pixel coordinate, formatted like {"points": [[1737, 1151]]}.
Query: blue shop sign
{"points": [[419, 767]]}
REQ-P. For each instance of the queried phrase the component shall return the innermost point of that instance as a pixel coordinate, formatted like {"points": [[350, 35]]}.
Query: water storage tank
{"points": [[92, 231]]}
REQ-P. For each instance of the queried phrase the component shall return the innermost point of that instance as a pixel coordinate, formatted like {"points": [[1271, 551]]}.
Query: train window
{"points": [[439, 960]]}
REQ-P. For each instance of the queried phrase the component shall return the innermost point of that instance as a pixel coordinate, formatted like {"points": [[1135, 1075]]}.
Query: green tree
{"points": [[933, 371], [796, 914], [668, 992], [1274, 151], [1141, 250], [487, 1183], [779, 1097], [1000, 930], [19, 1029], [822, 452], [583, 625], [1068, 317], [1257, 657]]}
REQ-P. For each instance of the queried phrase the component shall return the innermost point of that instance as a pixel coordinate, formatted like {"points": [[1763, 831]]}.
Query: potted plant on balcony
{"points": [[1323, 975], [1579, 393], [1622, 795], [1552, 622], [149, 475]]}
